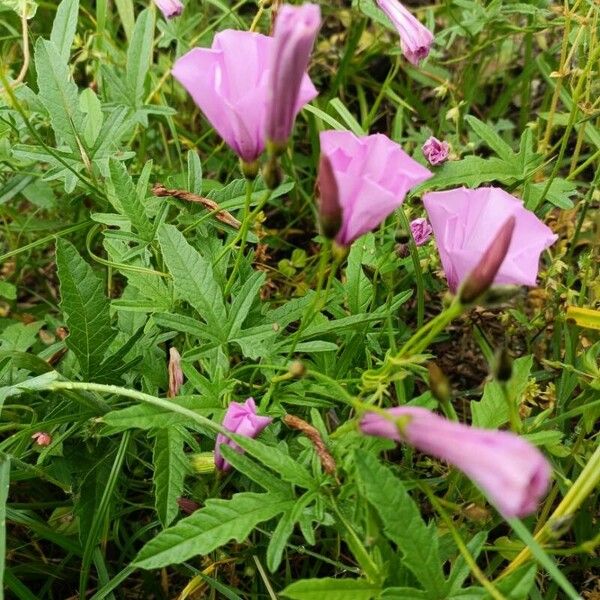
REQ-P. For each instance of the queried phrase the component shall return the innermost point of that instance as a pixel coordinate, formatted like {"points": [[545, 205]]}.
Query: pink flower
{"points": [[42, 438], [509, 470], [415, 39], [294, 36], [373, 174], [169, 8], [466, 221], [435, 151], [421, 231], [230, 83], [243, 420]]}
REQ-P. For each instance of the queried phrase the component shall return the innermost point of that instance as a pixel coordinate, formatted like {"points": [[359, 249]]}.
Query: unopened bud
{"points": [[42, 438], [276, 148], [187, 506], [271, 173], [330, 209], [203, 462], [482, 276], [297, 369], [175, 373], [499, 294], [438, 383], [503, 365], [249, 169]]}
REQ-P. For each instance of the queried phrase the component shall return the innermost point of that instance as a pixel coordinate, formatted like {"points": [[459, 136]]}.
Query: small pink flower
{"points": [[169, 8], [243, 420], [295, 31], [415, 38], [513, 473], [42, 438], [230, 84], [435, 151], [465, 222], [372, 176], [421, 231]]}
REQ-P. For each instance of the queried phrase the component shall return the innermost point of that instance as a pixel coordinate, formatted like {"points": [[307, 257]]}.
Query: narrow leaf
{"points": [[64, 27], [331, 589]]}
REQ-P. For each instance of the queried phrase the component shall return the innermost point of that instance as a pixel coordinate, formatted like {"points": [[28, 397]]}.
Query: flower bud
{"points": [[330, 209], [438, 383], [175, 373], [482, 276], [297, 369], [435, 151], [271, 173], [203, 462], [169, 8], [249, 169], [42, 438], [503, 365]]}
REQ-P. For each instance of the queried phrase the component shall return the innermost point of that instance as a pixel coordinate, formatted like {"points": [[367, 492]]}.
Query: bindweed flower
{"points": [[243, 420], [372, 175], [435, 151], [230, 84], [421, 231], [464, 223], [294, 35], [42, 438], [512, 473], [415, 38], [169, 8]]}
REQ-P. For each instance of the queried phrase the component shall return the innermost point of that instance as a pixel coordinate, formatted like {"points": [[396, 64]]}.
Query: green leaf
{"points": [[331, 589], [194, 172], [217, 523], [126, 16], [127, 201], [471, 171], [58, 93], [243, 301], [358, 287], [91, 106], [285, 466], [491, 138], [404, 593], [139, 55], [193, 278], [170, 468], [64, 27], [86, 309], [402, 522], [491, 411]]}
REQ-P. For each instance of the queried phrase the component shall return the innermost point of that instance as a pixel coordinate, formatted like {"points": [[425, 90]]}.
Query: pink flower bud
{"points": [[482, 276], [415, 39], [330, 211], [42, 438], [175, 372], [243, 420], [421, 231], [512, 473], [294, 36], [169, 8], [435, 151]]}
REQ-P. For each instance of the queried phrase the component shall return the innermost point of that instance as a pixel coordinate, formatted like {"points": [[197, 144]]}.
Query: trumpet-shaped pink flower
{"points": [[464, 223], [415, 38], [169, 8], [243, 420], [373, 175], [435, 151], [421, 231], [230, 83], [513, 473], [294, 36]]}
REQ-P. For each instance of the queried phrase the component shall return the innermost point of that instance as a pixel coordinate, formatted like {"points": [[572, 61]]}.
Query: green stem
{"points": [[414, 255]]}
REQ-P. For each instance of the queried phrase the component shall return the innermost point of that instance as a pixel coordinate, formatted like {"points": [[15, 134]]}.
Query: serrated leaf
{"points": [[243, 301], [331, 589], [58, 93], [358, 287], [218, 522], [193, 278], [471, 171], [489, 135], [126, 198], [64, 27], [139, 55], [86, 309], [402, 522], [170, 468]]}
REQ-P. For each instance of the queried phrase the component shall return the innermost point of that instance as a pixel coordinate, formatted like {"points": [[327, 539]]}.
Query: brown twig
{"points": [[314, 436], [222, 215]]}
